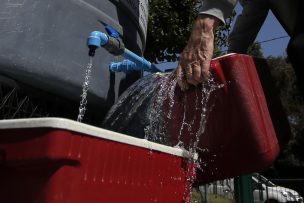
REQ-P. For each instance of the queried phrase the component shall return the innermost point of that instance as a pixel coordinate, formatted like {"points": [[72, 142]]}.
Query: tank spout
{"points": [[95, 40], [99, 39], [92, 50]]}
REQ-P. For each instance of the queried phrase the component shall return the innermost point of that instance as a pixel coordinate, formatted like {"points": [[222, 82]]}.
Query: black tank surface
{"points": [[43, 45]]}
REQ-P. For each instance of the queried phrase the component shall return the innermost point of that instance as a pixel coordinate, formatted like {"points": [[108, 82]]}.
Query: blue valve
{"points": [[111, 31], [116, 47], [125, 66], [128, 66], [96, 40]]}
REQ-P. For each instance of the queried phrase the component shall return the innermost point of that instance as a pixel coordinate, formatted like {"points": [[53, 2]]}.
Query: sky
{"points": [[271, 29]]}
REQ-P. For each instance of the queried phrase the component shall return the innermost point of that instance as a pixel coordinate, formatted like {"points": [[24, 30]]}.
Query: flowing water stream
{"points": [[85, 89]]}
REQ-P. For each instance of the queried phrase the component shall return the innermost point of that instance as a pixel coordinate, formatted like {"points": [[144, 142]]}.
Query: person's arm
{"points": [[194, 63], [193, 67]]}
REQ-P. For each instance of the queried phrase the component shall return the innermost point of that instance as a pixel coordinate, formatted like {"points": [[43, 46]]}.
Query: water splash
{"points": [[156, 129], [147, 108], [156, 109], [85, 89]]}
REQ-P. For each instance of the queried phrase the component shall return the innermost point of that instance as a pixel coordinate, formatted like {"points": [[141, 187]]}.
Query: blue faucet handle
{"points": [[112, 32]]}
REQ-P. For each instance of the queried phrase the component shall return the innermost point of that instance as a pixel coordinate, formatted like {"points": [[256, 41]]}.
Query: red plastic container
{"points": [[239, 136], [51, 160]]}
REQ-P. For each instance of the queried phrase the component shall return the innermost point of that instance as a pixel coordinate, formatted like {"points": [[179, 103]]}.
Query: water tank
{"points": [[43, 46]]}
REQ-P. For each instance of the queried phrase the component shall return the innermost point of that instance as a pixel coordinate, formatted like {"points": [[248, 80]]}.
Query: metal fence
{"points": [[255, 188], [21, 101]]}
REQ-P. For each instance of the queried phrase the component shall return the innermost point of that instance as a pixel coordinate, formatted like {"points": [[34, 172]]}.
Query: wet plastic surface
{"points": [[44, 161], [239, 136]]}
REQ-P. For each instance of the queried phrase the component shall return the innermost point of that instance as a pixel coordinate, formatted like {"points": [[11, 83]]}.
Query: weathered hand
{"points": [[194, 63]]}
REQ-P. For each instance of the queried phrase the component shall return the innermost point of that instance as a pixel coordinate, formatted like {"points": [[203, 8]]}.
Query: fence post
{"points": [[243, 190]]}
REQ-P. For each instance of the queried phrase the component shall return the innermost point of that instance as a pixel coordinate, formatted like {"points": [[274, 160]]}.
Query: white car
{"points": [[264, 191]]}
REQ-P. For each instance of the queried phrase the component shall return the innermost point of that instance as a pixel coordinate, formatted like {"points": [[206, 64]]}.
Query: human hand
{"points": [[194, 63]]}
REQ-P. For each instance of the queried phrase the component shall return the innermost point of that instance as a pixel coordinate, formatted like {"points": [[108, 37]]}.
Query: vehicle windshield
{"points": [[264, 180]]}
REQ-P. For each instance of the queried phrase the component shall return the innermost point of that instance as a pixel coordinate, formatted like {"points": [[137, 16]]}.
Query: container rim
{"points": [[89, 130]]}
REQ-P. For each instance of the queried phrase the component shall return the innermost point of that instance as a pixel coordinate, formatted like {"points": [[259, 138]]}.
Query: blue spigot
{"points": [[116, 47], [95, 40], [99, 39]]}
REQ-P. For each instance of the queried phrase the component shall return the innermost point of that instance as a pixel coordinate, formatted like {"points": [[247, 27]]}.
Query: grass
{"points": [[219, 199], [212, 198]]}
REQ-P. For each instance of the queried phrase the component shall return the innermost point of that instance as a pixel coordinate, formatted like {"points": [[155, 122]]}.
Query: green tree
{"points": [[292, 100], [255, 50], [169, 27]]}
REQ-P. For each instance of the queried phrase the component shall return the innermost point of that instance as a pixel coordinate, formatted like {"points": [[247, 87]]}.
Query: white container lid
{"points": [[70, 125]]}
